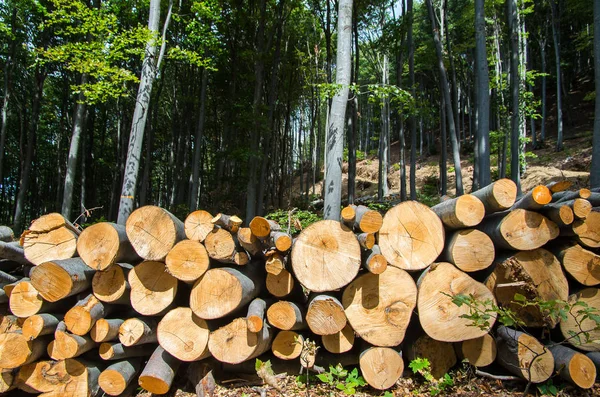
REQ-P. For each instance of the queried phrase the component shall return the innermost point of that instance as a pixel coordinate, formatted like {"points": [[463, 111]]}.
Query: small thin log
{"points": [[159, 373]]}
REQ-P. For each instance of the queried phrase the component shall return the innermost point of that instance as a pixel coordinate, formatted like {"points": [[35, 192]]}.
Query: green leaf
{"points": [[519, 298]]}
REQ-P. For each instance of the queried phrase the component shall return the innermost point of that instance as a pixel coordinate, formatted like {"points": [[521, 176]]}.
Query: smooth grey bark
{"points": [[335, 138], [73, 156], [556, 39], [483, 97], [353, 132], [412, 125], [543, 88], [384, 138], [595, 167], [515, 146], [140, 114], [453, 82], [444, 149], [445, 89], [198, 144], [8, 66]]}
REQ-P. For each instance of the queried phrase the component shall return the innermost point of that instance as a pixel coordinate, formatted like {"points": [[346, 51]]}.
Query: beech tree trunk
{"points": [[483, 97], [595, 165], [197, 166], [515, 144]]}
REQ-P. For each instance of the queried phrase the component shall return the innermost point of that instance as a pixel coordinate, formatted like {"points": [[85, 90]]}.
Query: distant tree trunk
{"points": [[78, 122], [412, 125], [40, 77], [353, 132], [140, 114], [335, 139], [193, 204], [543, 88], [8, 66], [483, 97], [556, 37], [444, 148], [384, 138], [448, 102], [453, 83], [595, 168], [515, 170]]}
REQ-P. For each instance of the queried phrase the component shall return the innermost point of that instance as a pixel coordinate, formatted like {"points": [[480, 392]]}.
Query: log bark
{"points": [[200, 374], [231, 223], [523, 355], [534, 274], [479, 352], [41, 324], [106, 330], [153, 232], [579, 331], [581, 264], [287, 316], [280, 285], [25, 301], [221, 291], [153, 289], [159, 373], [411, 237], [6, 380], [440, 318], [17, 350], [50, 237], [497, 196], [66, 345], [14, 252], [115, 379], [6, 234], [81, 318], [379, 307], [187, 261], [374, 261], [574, 367], [470, 250], [325, 315], [460, 212], [326, 256], [381, 366], [535, 199], [588, 230], [198, 225], [367, 220], [567, 195], [366, 240], [249, 242], [519, 230], [111, 285], [595, 357], [256, 315], [104, 244], [138, 331], [117, 351], [234, 343], [58, 279], [287, 345], [184, 335], [340, 342]]}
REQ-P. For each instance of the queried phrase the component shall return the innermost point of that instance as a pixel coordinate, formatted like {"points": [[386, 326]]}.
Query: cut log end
{"points": [[187, 261], [581, 208], [198, 225], [103, 244], [153, 289], [381, 367], [183, 334], [234, 343], [470, 250], [340, 342], [480, 352], [281, 284], [136, 331], [110, 285], [287, 345], [153, 231], [25, 300], [285, 316], [58, 279], [325, 315]]}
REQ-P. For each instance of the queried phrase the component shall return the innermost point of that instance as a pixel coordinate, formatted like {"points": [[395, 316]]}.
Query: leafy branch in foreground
{"points": [[422, 367]]}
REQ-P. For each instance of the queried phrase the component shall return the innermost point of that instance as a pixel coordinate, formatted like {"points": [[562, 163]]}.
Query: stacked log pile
{"points": [[113, 307]]}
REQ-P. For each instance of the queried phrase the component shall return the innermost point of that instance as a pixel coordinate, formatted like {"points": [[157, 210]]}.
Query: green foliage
{"points": [[382, 207], [360, 156], [422, 367], [548, 388], [342, 379], [300, 219]]}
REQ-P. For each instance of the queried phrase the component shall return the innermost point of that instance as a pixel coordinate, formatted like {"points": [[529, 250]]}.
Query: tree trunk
{"points": [[379, 307], [515, 143], [140, 114], [335, 138], [8, 66], [554, 6], [184, 335], [384, 139], [483, 97], [198, 144], [595, 166], [445, 89]]}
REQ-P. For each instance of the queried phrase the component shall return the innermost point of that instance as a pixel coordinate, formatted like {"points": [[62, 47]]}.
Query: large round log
{"points": [[440, 318], [111, 285], [519, 229], [534, 274], [523, 355], [103, 244], [198, 224], [287, 345], [574, 367], [58, 279], [17, 350], [184, 335], [68, 377], [469, 249], [479, 352], [581, 264], [326, 256], [187, 261], [234, 343], [115, 379], [379, 306], [441, 355], [158, 374], [50, 237], [381, 366], [81, 318], [153, 232], [340, 342], [411, 237], [138, 331], [325, 315], [578, 329], [222, 290], [286, 315], [105, 330], [460, 212], [497, 196], [153, 289], [41, 324]]}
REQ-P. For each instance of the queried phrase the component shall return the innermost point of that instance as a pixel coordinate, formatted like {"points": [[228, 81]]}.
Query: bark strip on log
{"points": [[118, 351]]}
